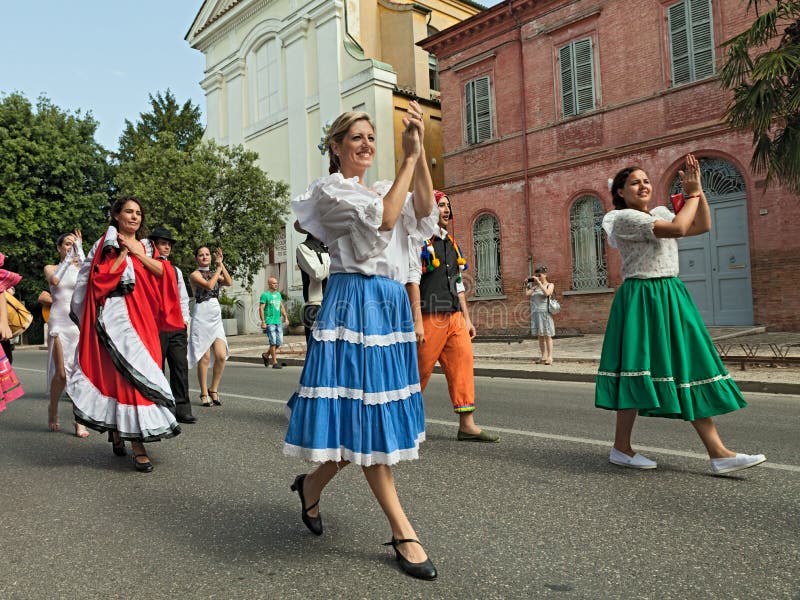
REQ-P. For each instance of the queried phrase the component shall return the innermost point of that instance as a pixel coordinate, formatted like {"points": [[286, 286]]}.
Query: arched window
{"points": [[718, 178], [589, 270], [486, 242], [265, 80]]}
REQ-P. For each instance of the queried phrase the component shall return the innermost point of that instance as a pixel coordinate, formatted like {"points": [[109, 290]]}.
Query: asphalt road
{"points": [[540, 515]]}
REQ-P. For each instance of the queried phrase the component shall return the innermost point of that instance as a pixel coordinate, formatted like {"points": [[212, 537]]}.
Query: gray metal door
{"points": [[715, 266]]}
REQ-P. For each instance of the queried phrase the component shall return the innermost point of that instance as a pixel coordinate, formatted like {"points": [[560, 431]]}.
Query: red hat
{"points": [[437, 195]]}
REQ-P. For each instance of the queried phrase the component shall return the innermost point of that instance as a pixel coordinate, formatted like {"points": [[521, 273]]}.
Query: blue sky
{"points": [[103, 56]]}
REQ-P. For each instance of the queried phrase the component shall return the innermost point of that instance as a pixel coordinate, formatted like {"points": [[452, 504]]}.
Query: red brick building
{"points": [[543, 101]]}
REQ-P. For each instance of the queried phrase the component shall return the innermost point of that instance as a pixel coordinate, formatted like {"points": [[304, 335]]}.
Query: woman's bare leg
{"points": [[202, 372], [707, 431], [219, 349], [548, 344], [622, 435], [381, 482], [542, 348], [57, 384], [316, 481]]}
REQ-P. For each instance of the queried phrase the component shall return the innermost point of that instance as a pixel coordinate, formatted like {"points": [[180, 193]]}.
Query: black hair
{"points": [[116, 209], [61, 239], [541, 269], [619, 183], [200, 247]]}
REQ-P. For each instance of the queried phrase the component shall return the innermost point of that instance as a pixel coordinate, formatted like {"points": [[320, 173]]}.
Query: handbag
{"points": [[19, 317], [553, 306]]}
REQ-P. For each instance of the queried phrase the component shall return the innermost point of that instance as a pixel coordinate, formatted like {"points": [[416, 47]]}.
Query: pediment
{"points": [[210, 11]]}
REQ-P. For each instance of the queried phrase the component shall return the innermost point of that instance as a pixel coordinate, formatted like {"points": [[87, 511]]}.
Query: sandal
{"points": [[205, 401], [215, 397]]}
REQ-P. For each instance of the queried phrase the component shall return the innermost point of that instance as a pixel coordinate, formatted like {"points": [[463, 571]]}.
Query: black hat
{"points": [[161, 233]]}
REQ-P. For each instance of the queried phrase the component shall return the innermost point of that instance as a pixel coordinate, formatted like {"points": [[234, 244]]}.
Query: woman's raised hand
{"points": [[690, 176], [414, 131], [218, 256]]}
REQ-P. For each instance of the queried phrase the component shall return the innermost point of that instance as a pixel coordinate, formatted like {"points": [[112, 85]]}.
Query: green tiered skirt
{"points": [[658, 357]]}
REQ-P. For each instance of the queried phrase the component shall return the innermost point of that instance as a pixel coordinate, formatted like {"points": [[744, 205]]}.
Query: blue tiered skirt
{"points": [[359, 396]]}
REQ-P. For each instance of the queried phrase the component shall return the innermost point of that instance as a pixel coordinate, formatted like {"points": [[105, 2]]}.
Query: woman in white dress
{"points": [[208, 345], [62, 338]]}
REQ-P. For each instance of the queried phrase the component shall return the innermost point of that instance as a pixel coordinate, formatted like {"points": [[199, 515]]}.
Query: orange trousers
{"points": [[447, 340]]}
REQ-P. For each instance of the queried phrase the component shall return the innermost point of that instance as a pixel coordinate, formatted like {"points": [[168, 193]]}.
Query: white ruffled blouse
{"points": [[644, 256], [346, 216]]}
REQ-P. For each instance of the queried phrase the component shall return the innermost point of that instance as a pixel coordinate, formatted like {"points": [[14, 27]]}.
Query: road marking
{"points": [[523, 432], [557, 437]]}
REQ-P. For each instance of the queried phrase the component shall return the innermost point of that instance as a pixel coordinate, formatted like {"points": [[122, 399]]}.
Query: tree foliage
{"points": [[166, 117], [763, 70], [54, 177], [206, 194]]}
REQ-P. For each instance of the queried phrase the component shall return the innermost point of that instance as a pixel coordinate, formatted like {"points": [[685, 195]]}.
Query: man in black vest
{"points": [[315, 266], [441, 321], [173, 343]]}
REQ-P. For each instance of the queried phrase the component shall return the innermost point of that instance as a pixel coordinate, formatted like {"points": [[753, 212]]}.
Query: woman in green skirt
{"points": [[658, 359]]}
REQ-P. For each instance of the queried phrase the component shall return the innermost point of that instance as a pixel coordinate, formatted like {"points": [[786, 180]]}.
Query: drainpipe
{"points": [[526, 190]]}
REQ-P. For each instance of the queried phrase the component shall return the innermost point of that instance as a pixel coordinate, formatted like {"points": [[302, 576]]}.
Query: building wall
{"points": [[332, 57], [639, 119]]}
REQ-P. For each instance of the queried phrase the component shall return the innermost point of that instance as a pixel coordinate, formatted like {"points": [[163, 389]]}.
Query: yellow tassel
{"points": [[436, 263]]}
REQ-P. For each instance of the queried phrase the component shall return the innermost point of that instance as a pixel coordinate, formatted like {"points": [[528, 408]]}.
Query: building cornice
{"points": [[212, 82], [296, 30], [680, 137]]}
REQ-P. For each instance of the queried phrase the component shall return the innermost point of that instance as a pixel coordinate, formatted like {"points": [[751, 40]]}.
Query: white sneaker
{"points": [[736, 463], [637, 461]]}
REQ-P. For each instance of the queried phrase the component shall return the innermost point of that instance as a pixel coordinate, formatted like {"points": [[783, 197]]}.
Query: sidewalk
{"points": [[577, 358]]}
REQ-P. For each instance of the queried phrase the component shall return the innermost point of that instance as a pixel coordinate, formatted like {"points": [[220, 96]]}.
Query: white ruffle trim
{"points": [[117, 323], [356, 394], [357, 337], [322, 455], [136, 422], [664, 379]]}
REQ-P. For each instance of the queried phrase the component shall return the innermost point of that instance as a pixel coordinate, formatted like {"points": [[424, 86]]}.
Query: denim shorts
{"points": [[274, 334]]}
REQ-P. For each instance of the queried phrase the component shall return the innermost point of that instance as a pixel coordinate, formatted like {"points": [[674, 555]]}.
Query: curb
{"points": [[763, 387]]}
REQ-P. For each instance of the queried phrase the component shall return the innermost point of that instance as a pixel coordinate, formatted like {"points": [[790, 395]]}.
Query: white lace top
{"points": [[644, 256], [346, 216]]}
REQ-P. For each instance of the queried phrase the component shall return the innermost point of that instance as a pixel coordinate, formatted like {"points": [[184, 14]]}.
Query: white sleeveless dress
{"points": [[61, 326]]}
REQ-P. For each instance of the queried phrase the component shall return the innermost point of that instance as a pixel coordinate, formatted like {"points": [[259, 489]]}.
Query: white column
{"points": [[234, 79], [212, 85], [328, 21], [294, 41]]}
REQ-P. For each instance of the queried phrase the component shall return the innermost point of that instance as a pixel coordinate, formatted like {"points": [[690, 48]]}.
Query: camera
{"points": [[531, 279]]}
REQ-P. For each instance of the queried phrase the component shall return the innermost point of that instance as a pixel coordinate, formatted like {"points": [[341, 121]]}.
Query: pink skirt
{"points": [[10, 387]]}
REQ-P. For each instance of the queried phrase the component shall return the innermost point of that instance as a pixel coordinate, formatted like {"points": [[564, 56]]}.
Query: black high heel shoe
{"points": [[423, 570], [314, 524], [214, 397], [117, 446]]}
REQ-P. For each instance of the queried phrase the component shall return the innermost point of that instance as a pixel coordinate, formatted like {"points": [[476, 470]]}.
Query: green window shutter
{"points": [[679, 44], [470, 111], [584, 75], [702, 39], [568, 107], [478, 106], [691, 37], [577, 77]]}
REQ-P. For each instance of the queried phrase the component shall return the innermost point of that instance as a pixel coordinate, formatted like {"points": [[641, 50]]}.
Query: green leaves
{"points": [[53, 178], [766, 89], [206, 194]]}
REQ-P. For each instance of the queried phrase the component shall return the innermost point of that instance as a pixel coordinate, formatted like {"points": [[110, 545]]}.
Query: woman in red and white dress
{"points": [[124, 297]]}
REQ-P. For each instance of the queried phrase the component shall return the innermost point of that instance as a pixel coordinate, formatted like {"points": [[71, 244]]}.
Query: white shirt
{"points": [[644, 256], [183, 294], [415, 259], [346, 216], [317, 271]]}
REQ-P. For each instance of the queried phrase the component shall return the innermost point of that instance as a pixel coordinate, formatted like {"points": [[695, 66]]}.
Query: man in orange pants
{"points": [[441, 321]]}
